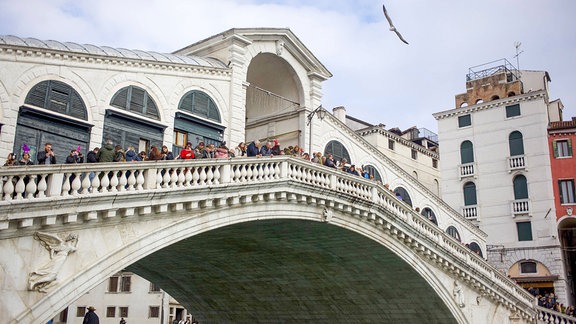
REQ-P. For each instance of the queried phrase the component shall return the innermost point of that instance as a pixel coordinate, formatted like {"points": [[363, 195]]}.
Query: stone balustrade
{"points": [[546, 315]]}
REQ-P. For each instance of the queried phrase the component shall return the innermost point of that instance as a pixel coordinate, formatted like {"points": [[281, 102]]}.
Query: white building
{"points": [[495, 169], [129, 296]]}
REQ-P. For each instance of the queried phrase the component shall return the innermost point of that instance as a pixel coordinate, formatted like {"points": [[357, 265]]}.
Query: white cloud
{"points": [[376, 77]]}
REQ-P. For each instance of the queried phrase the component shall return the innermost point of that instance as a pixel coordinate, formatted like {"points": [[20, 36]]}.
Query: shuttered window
{"points": [[470, 194], [566, 191], [512, 110], [452, 231], [520, 187], [524, 231], [466, 152], [562, 148], [58, 97], [200, 104], [516, 143], [136, 100], [464, 121], [338, 151]]}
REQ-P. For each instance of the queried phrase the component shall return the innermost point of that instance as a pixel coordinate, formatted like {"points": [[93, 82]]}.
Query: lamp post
{"points": [[321, 114]]}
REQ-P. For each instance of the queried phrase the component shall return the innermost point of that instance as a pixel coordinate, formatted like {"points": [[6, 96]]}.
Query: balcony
{"points": [[467, 170], [517, 162], [470, 212], [520, 207]]}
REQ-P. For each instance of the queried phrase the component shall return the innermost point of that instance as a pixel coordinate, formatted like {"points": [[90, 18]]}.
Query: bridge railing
{"points": [[546, 315]]}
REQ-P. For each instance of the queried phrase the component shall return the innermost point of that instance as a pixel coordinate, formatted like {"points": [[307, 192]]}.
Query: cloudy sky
{"points": [[376, 77]]}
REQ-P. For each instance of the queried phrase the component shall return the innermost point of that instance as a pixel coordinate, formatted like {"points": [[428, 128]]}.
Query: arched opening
{"points": [[495, 97], [520, 187], [464, 104], [429, 214], [403, 195], [511, 94], [53, 112], [533, 275], [466, 152], [452, 231], [479, 101], [476, 248], [516, 143], [338, 151], [567, 236], [140, 129], [372, 172], [274, 95], [198, 120], [469, 190]]}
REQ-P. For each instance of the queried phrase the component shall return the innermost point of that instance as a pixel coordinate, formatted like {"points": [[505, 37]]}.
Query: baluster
{"points": [[42, 186], [1, 188], [165, 178], [75, 184], [209, 175], [202, 176], [20, 188], [249, 172], [195, 176], [260, 174], [237, 174], [216, 175], [66, 185], [122, 181], [173, 178], [187, 177], [114, 181], [140, 180], [105, 182], [159, 178], [86, 183], [266, 171], [8, 188], [181, 177], [95, 182], [131, 181], [277, 170]]}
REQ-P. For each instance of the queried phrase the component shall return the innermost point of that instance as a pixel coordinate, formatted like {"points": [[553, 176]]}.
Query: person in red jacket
{"points": [[187, 152]]}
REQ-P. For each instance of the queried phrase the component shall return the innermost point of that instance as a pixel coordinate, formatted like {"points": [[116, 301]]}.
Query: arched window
{"points": [[200, 104], [495, 97], [135, 100], [403, 195], [415, 175], [58, 97], [479, 101], [338, 151], [470, 194], [466, 152], [452, 231], [476, 248], [511, 94], [372, 172], [520, 187], [516, 143], [429, 214]]}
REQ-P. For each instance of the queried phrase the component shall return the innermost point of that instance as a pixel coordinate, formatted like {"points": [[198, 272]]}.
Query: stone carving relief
{"points": [[59, 248], [279, 47], [458, 294], [326, 215]]}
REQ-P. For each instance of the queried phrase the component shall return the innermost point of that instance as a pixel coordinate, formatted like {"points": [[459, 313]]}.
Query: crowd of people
{"points": [[549, 300], [115, 153]]}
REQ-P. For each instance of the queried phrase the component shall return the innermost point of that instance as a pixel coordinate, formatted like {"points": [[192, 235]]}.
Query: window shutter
{"points": [[120, 99], [570, 147], [555, 148]]}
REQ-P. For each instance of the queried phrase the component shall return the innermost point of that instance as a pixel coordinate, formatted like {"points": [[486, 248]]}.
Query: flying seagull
{"points": [[392, 28]]}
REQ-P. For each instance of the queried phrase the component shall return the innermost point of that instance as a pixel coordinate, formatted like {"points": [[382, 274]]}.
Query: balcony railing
{"points": [[467, 170], [520, 207], [546, 315], [517, 162], [470, 212]]}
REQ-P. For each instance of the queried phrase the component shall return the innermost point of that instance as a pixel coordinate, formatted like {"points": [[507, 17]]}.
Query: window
{"points": [[414, 154], [154, 311], [429, 214], [466, 152], [528, 267], [110, 311], [338, 151], [513, 110], [125, 283], [470, 194], [435, 163], [180, 138], [58, 97], [154, 287], [113, 284], [464, 121], [391, 144], [80, 311], [520, 187], [452, 231], [562, 148], [123, 311], [516, 143], [372, 172], [403, 195], [566, 191], [524, 231], [200, 104], [135, 100], [475, 248]]}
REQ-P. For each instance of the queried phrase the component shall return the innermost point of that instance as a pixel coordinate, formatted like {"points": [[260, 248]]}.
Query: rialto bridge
{"points": [[271, 240]]}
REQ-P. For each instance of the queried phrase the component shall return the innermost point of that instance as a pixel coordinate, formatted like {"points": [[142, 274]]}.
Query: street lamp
{"points": [[321, 114]]}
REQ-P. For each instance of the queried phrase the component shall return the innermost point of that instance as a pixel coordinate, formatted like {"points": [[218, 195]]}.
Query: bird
{"points": [[392, 28]]}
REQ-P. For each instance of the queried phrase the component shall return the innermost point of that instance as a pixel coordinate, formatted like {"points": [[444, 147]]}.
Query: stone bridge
{"points": [[246, 240]]}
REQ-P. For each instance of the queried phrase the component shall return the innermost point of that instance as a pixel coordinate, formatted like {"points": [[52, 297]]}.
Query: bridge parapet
{"points": [[153, 188], [546, 315]]}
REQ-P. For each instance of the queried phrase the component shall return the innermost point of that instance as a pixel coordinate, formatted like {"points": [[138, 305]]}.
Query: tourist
{"points": [[276, 148], [131, 155], [266, 150], [106, 153], [166, 154], [25, 159], [91, 317], [91, 157], [186, 153], [74, 157], [253, 149], [200, 151], [155, 154], [10, 160], [240, 150], [46, 156]]}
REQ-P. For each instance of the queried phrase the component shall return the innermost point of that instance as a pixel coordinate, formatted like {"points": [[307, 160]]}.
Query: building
{"points": [[129, 296], [561, 136], [496, 170]]}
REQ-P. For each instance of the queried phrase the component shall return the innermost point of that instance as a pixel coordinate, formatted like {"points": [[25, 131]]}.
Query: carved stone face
{"points": [[569, 211]]}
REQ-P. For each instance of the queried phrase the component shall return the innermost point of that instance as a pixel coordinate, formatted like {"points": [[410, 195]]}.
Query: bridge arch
{"points": [[299, 236]]}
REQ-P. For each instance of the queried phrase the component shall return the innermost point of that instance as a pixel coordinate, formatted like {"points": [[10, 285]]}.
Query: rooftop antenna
{"points": [[517, 56]]}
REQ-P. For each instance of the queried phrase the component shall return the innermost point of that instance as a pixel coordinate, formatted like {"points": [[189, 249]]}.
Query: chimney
{"points": [[340, 113]]}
